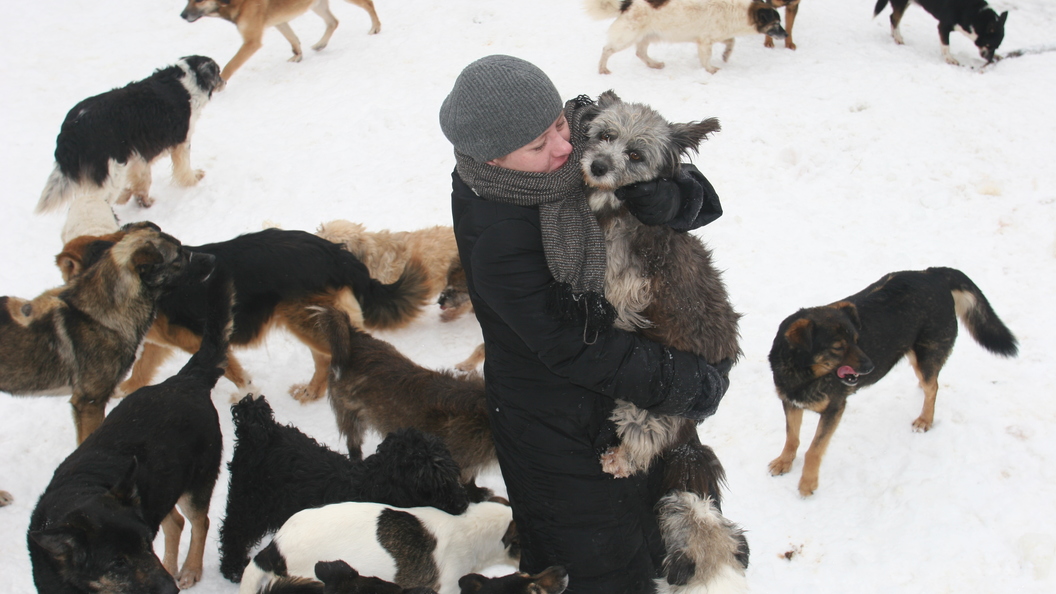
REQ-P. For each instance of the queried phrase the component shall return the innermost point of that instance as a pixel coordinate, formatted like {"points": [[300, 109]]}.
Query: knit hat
{"points": [[498, 104]]}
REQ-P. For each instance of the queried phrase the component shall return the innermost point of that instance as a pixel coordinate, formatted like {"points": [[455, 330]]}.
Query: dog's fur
{"points": [[454, 298], [974, 18], [705, 22], [663, 285], [89, 215], [822, 355], [386, 254], [107, 142], [412, 547], [276, 471], [791, 10], [338, 577], [82, 338], [94, 527], [374, 386], [252, 17], [279, 275], [552, 580]]}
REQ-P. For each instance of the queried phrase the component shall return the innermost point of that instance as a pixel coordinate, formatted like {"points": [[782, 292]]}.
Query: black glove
{"points": [[653, 202], [686, 202], [715, 381]]}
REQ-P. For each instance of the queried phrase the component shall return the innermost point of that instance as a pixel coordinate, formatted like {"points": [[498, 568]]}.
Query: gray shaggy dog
{"points": [[663, 285]]}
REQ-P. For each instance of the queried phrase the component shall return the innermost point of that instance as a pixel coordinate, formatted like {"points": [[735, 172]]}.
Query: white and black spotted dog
{"points": [[107, 142], [663, 285], [416, 547]]}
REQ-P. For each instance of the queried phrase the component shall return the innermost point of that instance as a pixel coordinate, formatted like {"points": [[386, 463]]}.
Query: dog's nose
{"points": [[598, 169]]}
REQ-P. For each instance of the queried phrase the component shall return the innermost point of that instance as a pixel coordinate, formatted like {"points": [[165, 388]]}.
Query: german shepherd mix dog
{"points": [[822, 355], [338, 577], [373, 386], [276, 471], [416, 547], [83, 337], [974, 18], [279, 276], [94, 527], [107, 142], [663, 285], [705, 22], [791, 10], [252, 17]]}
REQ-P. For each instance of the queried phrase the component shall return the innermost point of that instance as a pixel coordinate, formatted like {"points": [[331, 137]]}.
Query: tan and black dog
{"points": [[83, 337], [791, 9], [822, 355], [252, 17]]}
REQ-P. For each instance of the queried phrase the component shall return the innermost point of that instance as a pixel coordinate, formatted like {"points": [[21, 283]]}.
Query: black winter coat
{"points": [[550, 395]]}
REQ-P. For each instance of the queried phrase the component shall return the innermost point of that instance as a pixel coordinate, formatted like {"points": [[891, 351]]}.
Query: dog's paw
{"points": [[295, 58], [921, 425], [711, 69], [188, 576], [615, 463], [198, 175], [6, 498], [769, 42], [304, 394], [807, 486], [144, 201], [780, 465]]}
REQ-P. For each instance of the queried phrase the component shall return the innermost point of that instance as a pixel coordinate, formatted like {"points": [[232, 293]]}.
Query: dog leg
{"points": [[322, 8], [793, 423], [137, 182], [316, 387], [474, 360], [252, 37], [191, 571], [704, 54], [896, 17], [790, 18], [830, 418], [150, 358], [729, 49], [929, 383], [295, 43], [944, 39], [172, 527], [621, 37], [182, 173], [642, 51], [88, 413], [368, 5]]}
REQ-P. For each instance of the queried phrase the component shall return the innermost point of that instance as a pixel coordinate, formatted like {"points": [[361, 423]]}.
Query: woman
{"points": [[535, 261]]}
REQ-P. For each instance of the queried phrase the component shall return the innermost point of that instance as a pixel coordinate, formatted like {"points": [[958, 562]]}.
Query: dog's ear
{"points": [[65, 544], [800, 334], [471, 583], [69, 266], [332, 572], [851, 311], [129, 227], [608, 98], [1001, 19], [146, 258], [689, 136], [125, 490]]}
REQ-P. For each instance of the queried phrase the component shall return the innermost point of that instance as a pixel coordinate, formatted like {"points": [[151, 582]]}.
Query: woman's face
{"points": [[544, 154]]}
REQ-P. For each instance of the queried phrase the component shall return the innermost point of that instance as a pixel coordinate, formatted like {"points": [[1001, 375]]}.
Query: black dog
{"points": [[277, 471], [974, 18], [822, 355], [112, 138], [94, 526]]}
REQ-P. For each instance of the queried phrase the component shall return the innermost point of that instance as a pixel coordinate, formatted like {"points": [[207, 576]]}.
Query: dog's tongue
{"points": [[845, 371]]}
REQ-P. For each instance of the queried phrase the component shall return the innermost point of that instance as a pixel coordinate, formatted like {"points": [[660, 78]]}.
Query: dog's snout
{"points": [[777, 31], [189, 16], [598, 168]]}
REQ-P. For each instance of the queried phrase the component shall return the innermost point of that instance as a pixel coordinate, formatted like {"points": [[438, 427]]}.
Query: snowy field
{"points": [[837, 163]]}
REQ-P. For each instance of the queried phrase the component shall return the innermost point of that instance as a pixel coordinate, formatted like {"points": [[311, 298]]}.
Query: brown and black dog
{"points": [[280, 276], [252, 17], [83, 337], [822, 355], [791, 9]]}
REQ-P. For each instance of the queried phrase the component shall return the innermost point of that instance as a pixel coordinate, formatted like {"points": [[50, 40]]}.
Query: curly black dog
{"points": [[277, 471]]}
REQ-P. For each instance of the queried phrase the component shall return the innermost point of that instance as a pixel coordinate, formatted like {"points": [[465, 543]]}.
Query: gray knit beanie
{"points": [[498, 104]]}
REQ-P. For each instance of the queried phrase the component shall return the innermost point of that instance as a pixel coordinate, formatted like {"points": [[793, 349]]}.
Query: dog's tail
{"points": [[603, 9], [977, 315], [386, 307], [703, 547], [211, 358], [57, 191], [880, 4]]}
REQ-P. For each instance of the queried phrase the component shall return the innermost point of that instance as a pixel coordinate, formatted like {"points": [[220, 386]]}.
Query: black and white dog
{"points": [[107, 142], [974, 18], [411, 547], [277, 471]]}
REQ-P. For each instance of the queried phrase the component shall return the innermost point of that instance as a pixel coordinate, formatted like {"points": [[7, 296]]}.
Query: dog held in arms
{"points": [[252, 17], [412, 547], [279, 276], [663, 285], [93, 528], [822, 355], [276, 471], [83, 337], [107, 142], [705, 22], [974, 18]]}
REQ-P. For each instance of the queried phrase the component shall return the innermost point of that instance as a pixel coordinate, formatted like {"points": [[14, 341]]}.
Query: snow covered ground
{"points": [[844, 160]]}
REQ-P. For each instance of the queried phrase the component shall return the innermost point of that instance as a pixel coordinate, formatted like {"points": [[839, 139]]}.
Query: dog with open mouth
{"points": [[822, 355]]}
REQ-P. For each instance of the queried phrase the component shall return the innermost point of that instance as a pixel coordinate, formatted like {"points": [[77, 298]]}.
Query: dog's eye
{"points": [[605, 136], [634, 156]]}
